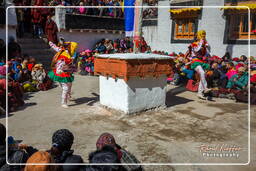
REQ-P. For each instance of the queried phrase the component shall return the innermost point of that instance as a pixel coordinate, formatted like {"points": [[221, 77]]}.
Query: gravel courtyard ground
{"points": [[170, 135]]}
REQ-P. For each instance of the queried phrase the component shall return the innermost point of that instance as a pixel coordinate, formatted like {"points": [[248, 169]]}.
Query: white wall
{"points": [[11, 32], [87, 40], [132, 96], [150, 33], [12, 21], [212, 21], [214, 24]]}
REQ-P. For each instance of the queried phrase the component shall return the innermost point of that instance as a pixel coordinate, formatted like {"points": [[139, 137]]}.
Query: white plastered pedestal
{"points": [[135, 95]]}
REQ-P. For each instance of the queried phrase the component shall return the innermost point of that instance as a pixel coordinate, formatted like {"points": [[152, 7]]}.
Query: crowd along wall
{"points": [[87, 30], [211, 20], [87, 39]]}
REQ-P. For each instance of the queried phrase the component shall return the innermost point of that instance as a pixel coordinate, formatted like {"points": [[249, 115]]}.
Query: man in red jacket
{"points": [[37, 22]]}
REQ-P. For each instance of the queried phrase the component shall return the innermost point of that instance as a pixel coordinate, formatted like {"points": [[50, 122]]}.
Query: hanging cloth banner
{"points": [[129, 17]]}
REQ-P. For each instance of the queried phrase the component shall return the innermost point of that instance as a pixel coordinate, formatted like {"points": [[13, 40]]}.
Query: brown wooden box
{"points": [[126, 68]]}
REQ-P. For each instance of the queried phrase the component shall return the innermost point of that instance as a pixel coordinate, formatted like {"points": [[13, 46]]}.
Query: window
{"points": [[238, 26], [184, 29]]}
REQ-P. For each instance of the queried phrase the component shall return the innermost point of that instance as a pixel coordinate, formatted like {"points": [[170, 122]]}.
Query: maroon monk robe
{"points": [[51, 30]]}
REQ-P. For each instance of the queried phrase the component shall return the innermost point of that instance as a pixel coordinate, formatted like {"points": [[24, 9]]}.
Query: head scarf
{"points": [[241, 69], [105, 139]]}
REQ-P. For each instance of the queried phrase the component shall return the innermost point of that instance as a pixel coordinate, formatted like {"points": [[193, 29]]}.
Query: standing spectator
{"points": [[2, 50], [14, 49], [20, 19], [37, 22], [51, 30], [81, 10]]}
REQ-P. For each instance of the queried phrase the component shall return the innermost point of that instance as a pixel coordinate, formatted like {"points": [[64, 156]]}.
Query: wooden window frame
{"points": [[240, 35], [184, 35]]}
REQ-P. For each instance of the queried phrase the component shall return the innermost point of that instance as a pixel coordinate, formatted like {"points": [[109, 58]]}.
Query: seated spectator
{"points": [[38, 74], [239, 80], [62, 141], [243, 59], [116, 45], [143, 45], [107, 154], [227, 57], [17, 153], [109, 46], [217, 78], [31, 63], [43, 158], [100, 47], [231, 71], [124, 156], [16, 71], [15, 91]]}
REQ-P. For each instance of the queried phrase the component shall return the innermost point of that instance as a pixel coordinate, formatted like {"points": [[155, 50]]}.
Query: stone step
{"points": [[35, 52], [30, 41], [38, 49], [34, 46]]}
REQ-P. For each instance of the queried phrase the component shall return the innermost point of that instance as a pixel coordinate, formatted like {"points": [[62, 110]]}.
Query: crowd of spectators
{"points": [[24, 75], [60, 151], [227, 77], [151, 12], [106, 46], [111, 12]]}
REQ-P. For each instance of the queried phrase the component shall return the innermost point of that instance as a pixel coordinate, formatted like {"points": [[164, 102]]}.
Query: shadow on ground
{"points": [[26, 105], [172, 99], [88, 100]]}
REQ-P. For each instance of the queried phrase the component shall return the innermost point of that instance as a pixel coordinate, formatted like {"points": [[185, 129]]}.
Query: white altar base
{"points": [[133, 96]]}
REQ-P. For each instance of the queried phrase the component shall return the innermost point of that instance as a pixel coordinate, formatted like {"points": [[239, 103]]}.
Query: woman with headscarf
{"points": [[106, 139], [62, 68], [199, 51], [239, 81]]}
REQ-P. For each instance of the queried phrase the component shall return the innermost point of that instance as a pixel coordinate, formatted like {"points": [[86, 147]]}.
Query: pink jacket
{"points": [[230, 73]]}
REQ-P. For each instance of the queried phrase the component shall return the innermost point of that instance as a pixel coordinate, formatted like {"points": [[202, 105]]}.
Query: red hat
{"points": [[236, 59]]}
